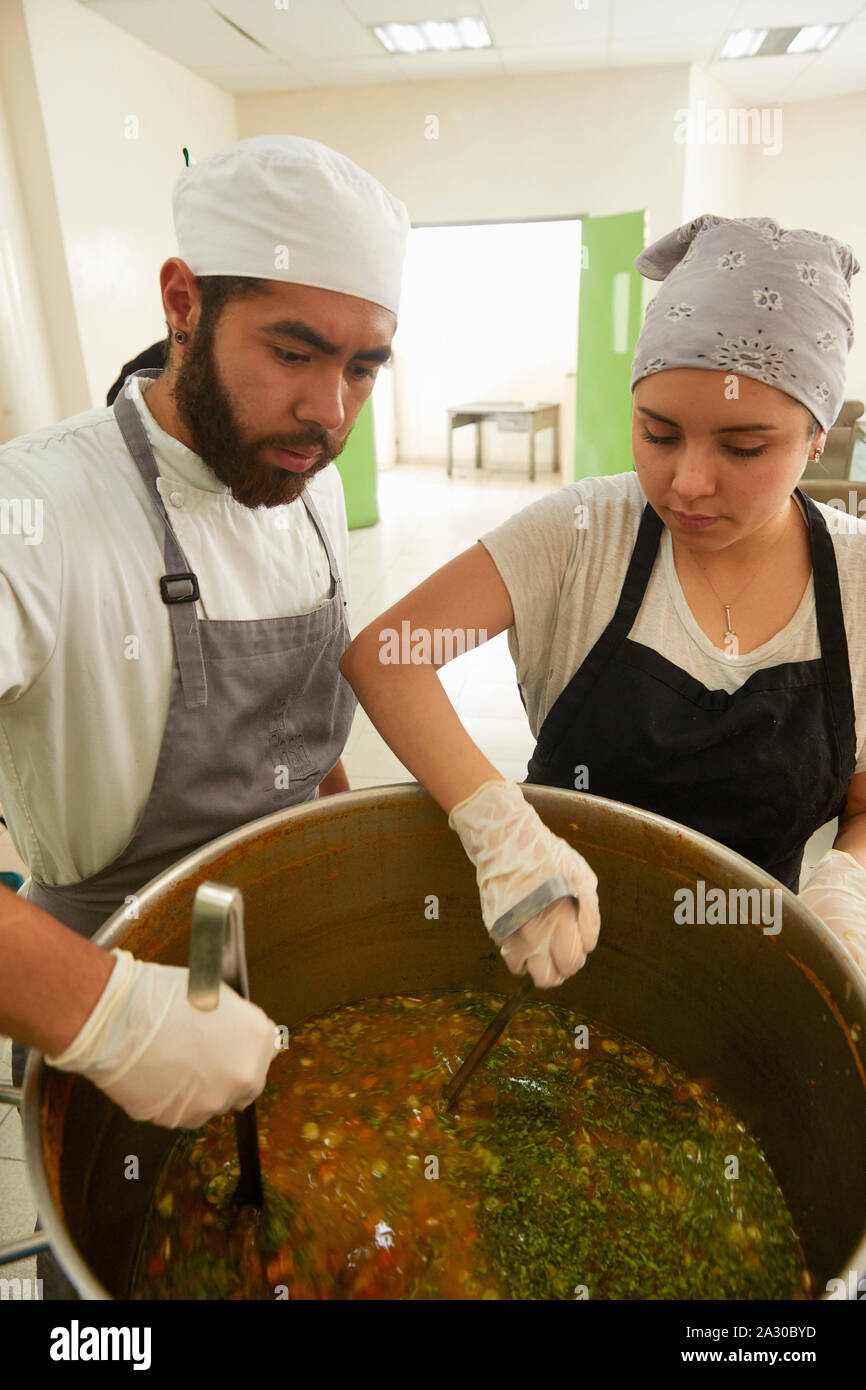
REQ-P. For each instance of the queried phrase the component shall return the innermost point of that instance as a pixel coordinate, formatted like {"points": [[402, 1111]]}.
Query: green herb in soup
{"points": [[564, 1172]]}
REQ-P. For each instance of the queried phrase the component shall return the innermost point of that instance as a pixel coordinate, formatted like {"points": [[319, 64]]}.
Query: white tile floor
{"points": [[425, 521]]}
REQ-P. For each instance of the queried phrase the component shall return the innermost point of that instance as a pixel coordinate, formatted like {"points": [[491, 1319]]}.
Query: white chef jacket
{"points": [[86, 652]]}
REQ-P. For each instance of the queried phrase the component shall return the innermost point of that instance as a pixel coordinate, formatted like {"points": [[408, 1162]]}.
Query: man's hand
{"points": [[160, 1059]]}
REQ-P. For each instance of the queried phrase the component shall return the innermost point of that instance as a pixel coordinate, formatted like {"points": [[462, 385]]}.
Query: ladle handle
{"points": [[454, 1088], [216, 946], [505, 926], [217, 952]]}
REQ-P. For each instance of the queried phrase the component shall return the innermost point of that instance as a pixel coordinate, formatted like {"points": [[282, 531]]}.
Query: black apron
{"points": [[758, 770]]}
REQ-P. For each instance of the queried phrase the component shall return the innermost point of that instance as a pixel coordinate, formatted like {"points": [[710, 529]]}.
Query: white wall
{"points": [[715, 177], [114, 116], [520, 147], [27, 392], [819, 181], [813, 174], [40, 340]]}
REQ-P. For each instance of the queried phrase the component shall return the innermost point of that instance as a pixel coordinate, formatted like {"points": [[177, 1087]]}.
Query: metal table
{"points": [[521, 417]]}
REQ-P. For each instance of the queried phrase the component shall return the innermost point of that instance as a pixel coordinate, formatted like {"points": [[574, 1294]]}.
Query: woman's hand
{"points": [[837, 893], [514, 852]]}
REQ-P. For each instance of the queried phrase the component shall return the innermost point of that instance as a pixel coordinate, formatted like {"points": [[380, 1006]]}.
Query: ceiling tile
{"points": [[413, 11], [784, 14], [430, 67], [343, 72], [186, 30], [655, 18], [663, 48], [271, 77], [555, 58], [546, 22], [305, 29]]}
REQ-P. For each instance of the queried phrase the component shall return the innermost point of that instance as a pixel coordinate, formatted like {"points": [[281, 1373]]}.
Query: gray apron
{"points": [[259, 715]]}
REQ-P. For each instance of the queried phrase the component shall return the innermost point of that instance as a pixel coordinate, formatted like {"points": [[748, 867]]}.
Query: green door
{"points": [[357, 468], [610, 314]]}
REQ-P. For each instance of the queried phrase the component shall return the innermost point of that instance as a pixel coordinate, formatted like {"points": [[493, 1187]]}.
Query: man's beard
{"points": [[204, 408]]}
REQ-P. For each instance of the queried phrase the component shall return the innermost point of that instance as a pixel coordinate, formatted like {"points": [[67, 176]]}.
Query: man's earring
{"points": [[180, 337]]}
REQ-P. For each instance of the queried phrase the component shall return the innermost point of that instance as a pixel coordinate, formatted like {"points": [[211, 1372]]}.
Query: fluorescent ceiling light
{"points": [[813, 38], [769, 43], [433, 35], [744, 44], [440, 34], [400, 38]]}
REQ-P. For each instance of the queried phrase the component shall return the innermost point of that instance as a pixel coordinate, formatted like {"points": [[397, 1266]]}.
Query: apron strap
{"points": [[181, 610], [830, 617], [179, 585], [640, 567], [323, 537], [637, 577]]}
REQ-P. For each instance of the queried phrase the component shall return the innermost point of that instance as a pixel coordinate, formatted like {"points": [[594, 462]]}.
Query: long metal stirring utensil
{"points": [[217, 952], [505, 926], [454, 1088]]}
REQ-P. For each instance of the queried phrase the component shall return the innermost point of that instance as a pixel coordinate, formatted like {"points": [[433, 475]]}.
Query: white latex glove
{"points": [[514, 852], [837, 892], [160, 1059]]}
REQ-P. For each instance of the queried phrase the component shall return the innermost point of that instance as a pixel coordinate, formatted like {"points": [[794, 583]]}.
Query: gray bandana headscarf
{"points": [[744, 296]]}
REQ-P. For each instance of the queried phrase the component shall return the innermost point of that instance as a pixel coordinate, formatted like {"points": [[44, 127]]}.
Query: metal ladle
{"points": [[506, 925], [217, 952]]}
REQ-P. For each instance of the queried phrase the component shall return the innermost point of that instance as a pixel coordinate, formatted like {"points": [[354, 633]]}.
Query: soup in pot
{"points": [[575, 1165]]}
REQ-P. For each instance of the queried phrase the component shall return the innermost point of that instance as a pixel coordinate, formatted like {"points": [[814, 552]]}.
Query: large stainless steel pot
{"points": [[335, 897]]}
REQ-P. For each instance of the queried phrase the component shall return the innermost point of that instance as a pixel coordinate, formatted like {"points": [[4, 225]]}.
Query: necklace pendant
{"points": [[730, 632]]}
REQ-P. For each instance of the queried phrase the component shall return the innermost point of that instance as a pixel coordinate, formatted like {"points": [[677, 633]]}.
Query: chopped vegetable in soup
{"points": [[564, 1172]]}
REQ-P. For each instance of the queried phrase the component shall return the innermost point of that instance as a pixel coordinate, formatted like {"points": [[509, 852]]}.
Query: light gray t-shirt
{"points": [[563, 560]]}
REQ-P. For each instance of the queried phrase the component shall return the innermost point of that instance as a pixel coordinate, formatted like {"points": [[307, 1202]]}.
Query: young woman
{"points": [[689, 638]]}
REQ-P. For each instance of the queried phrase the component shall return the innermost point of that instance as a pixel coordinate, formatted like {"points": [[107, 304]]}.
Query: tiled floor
{"points": [[426, 520]]}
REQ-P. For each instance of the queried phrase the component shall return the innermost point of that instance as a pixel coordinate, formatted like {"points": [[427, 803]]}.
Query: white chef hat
{"points": [[279, 207]]}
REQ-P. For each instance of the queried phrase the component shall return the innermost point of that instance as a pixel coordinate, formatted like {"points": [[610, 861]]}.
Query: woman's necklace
{"points": [[730, 634]]}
